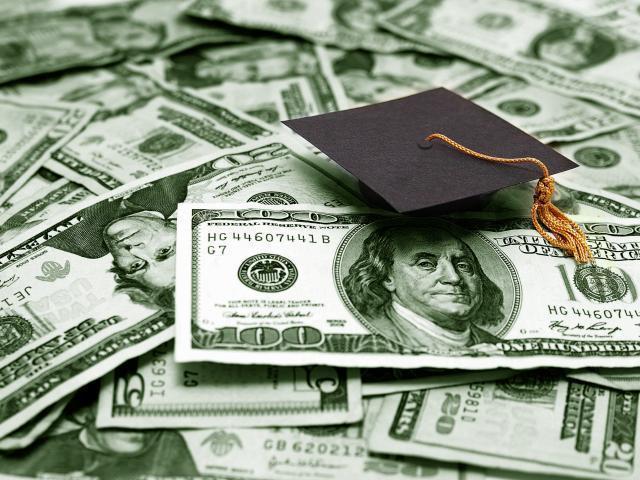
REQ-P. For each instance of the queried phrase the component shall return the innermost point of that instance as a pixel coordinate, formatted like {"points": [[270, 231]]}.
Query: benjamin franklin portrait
{"points": [[573, 47], [422, 286], [138, 235]]}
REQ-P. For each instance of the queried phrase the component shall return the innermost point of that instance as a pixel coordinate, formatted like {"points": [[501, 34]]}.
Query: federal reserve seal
{"points": [[597, 157], [15, 332], [268, 272], [519, 107], [272, 198], [599, 284]]}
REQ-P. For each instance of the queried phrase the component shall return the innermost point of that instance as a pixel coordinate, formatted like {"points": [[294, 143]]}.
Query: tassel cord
{"points": [[549, 221]]}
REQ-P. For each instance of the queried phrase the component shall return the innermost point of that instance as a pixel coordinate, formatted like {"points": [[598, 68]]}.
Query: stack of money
{"points": [[187, 290]]}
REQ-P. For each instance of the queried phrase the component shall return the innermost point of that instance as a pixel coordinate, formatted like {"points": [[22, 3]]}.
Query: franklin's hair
{"points": [[365, 282]]}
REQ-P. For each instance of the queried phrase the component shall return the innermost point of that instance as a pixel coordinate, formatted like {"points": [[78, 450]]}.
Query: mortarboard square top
{"points": [[382, 145]]}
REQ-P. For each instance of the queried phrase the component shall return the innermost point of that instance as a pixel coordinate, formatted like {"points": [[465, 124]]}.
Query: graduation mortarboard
{"points": [[384, 146]]}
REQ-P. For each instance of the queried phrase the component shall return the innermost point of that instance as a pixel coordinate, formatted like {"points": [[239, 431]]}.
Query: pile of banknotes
{"points": [[188, 290]]}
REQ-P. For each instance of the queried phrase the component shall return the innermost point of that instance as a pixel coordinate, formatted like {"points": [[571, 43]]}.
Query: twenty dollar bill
{"points": [[534, 422]]}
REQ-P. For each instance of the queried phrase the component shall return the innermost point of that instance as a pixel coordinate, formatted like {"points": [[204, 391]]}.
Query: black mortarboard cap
{"points": [[382, 145]]}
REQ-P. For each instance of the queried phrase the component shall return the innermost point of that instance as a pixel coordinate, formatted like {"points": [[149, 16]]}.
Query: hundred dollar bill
{"points": [[153, 391], [544, 46], [533, 422], [269, 79], [549, 116], [383, 381], [370, 77], [76, 448], [50, 201], [627, 379], [142, 126], [30, 130], [84, 292], [36, 42], [348, 24], [571, 198], [361, 288], [609, 162]]}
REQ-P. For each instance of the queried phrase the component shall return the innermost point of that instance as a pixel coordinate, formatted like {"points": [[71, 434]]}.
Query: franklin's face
{"points": [[144, 247], [435, 276], [570, 52]]}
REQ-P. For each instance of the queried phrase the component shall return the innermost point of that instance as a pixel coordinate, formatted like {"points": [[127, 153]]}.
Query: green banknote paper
{"points": [[358, 287]]}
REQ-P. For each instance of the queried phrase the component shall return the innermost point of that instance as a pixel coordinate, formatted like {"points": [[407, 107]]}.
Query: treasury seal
{"points": [[15, 332], [272, 198], [267, 272], [599, 284]]}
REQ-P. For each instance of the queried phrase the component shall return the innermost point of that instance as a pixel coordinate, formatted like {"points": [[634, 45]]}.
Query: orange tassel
{"points": [[562, 232]]}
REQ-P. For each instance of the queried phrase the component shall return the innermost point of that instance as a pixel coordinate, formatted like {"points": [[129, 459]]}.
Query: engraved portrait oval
{"points": [[573, 46], [427, 284]]}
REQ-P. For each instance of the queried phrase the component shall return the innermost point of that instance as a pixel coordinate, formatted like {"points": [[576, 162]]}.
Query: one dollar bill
{"points": [[355, 287], [153, 391]]}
